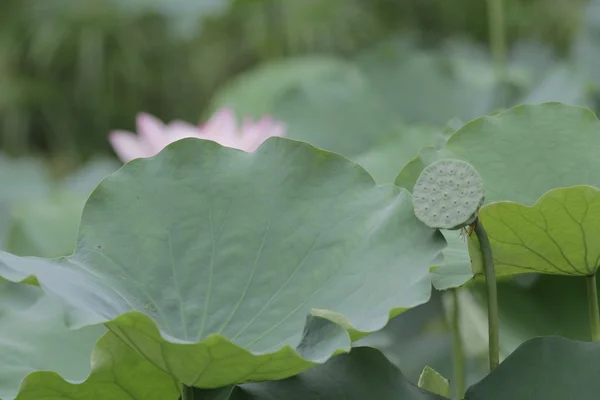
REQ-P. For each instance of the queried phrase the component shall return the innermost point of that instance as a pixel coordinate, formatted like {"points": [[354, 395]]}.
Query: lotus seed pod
{"points": [[448, 194]]}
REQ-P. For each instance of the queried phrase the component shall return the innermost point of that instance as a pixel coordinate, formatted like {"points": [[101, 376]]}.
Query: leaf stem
{"points": [[497, 37], [457, 349], [492, 294], [592, 291], [187, 392]]}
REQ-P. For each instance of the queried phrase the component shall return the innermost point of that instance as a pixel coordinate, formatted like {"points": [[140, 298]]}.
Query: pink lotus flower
{"points": [[154, 135]]}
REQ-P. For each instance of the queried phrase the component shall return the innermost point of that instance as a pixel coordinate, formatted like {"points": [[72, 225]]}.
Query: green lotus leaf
{"points": [[362, 374], [117, 373], [34, 337], [521, 154], [524, 152], [548, 368], [560, 234], [208, 260]]}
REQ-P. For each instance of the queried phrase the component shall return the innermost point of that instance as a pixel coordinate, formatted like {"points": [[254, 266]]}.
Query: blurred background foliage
{"points": [[375, 80], [72, 70]]}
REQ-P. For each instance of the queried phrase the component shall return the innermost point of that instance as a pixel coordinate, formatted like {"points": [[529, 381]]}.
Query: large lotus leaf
{"points": [[117, 373], [257, 92], [209, 256], [45, 227], [524, 152], [35, 337], [364, 373], [547, 368]]}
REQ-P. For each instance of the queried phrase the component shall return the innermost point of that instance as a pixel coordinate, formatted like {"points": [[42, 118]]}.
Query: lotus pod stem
{"points": [[448, 195], [592, 291], [458, 356], [187, 392], [492, 294]]}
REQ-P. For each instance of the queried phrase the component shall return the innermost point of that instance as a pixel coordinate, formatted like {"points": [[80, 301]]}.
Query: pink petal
{"points": [[152, 131], [222, 128], [177, 130], [255, 133], [128, 146]]}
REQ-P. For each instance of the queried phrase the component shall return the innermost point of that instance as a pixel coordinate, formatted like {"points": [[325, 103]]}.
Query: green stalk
{"points": [[497, 37], [593, 307], [492, 294], [457, 349], [187, 392]]}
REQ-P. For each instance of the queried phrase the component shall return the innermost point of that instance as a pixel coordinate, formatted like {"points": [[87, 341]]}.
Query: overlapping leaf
{"points": [[362, 374], [521, 154], [118, 373], [529, 312], [547, 368], [560, 234], [524, 152], [34, 337], [207, 260]]}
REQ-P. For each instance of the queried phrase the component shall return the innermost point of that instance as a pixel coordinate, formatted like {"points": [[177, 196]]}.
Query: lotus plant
{"points": [[153, 135], [448, 195]]}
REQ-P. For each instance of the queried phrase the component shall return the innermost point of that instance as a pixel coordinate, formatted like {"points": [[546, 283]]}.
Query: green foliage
{"points": [[558, 235], [243, 250], [537, 370], [39, 339], [275, 274], [363, 373], [549, 146]]}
